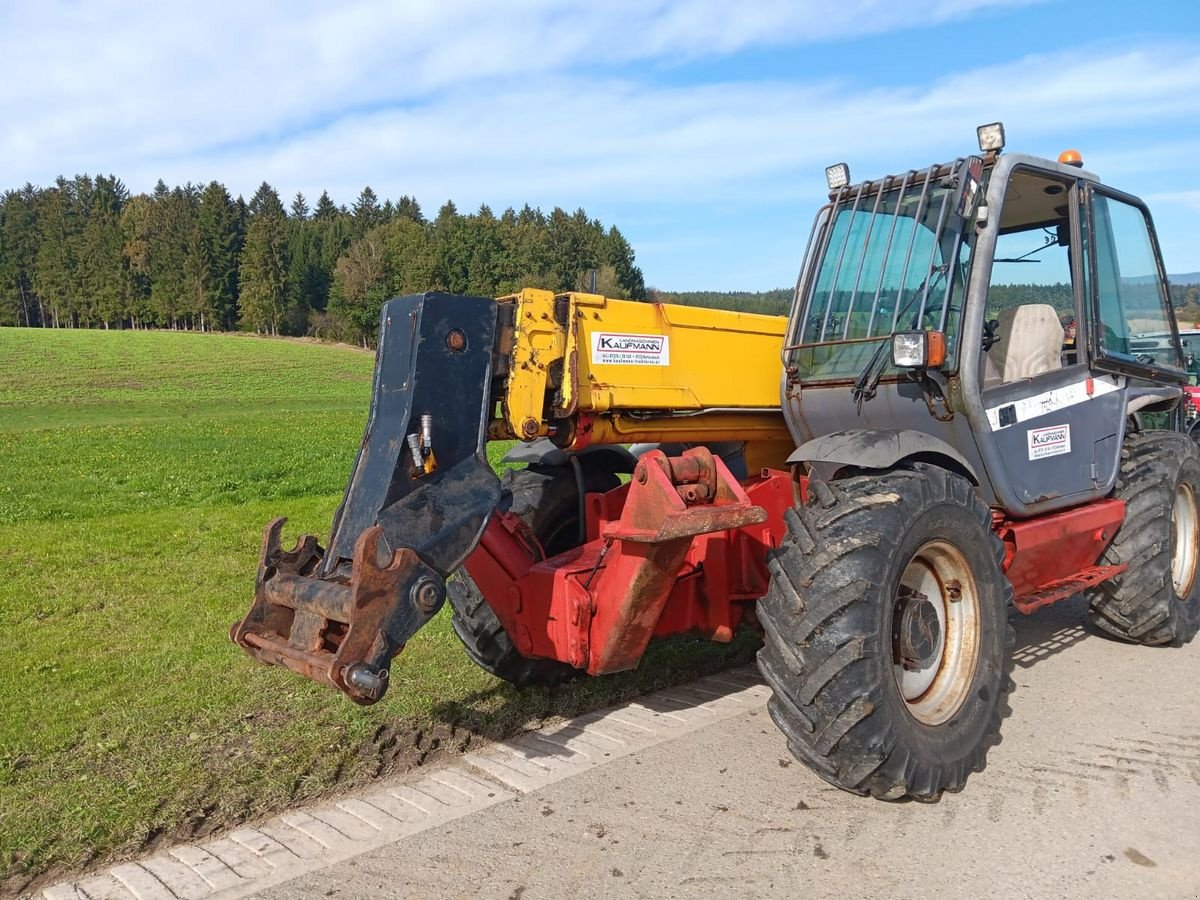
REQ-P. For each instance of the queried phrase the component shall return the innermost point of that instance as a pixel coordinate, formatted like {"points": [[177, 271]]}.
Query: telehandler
{"points": [[874, 482]]}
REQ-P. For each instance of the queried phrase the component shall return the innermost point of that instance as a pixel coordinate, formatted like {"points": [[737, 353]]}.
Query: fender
{"points": [[880, 448], [543, 452], [1152, 399]]}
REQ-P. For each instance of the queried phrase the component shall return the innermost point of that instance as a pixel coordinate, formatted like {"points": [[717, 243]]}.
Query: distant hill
{"points": [[1186, 278]]}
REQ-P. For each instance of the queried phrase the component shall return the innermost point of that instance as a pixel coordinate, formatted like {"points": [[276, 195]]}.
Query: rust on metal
{"points": [[648, 546], [1055, 556], [1066, 587], [340, 633]]}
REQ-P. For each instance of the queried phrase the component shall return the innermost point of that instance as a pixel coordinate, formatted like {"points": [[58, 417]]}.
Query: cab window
{"points": [[1031, 308], [1132, 304]]}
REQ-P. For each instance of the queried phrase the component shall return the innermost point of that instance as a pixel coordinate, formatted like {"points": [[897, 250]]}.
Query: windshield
{"points": [[891, 261]]}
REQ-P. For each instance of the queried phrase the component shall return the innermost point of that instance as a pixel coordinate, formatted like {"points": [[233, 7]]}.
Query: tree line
{"points": [[776, 302], [1185, 296], [84, 253]]}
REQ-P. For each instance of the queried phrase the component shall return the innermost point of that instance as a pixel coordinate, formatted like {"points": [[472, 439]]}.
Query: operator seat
{"points": [[1030, 343]]}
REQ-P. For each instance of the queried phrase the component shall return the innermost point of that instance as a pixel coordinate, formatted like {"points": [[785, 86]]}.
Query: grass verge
{"points": [[136, 474]]}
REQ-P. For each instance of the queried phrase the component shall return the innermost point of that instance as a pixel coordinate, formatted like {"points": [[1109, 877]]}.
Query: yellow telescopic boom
{"points": [[584, 369]]}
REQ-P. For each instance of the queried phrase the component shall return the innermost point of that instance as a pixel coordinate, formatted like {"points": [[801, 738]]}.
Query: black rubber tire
{"points": [[1140, 605], [827, 619], [547, 498]]}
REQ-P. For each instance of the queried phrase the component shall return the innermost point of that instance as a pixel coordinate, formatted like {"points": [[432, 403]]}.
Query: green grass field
{"points": [[136, 473]]}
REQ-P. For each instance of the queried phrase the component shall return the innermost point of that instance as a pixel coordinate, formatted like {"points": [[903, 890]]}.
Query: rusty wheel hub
{"points": [[935, 632]]}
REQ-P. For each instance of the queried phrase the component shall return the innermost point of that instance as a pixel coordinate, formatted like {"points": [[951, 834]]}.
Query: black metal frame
{"points": [[852, 197]]}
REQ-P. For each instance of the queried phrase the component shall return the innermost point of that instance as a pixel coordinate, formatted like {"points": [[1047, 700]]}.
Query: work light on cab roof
{"points": [[837, 176], [991, 137], [991, 140]]}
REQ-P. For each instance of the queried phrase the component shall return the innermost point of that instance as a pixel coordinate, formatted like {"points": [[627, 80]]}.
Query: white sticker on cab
{"points": [[1052, 441], [611, 349]]}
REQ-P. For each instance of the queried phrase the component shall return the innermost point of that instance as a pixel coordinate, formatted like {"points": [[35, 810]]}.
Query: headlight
{"points": [[918, 349], [908, 350]]}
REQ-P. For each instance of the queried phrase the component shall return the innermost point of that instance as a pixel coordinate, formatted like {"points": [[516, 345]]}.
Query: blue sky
{"points": [[701, 128]]}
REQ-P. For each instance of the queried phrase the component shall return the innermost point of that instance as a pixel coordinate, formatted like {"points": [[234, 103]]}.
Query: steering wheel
{"points": [[931, 318]]}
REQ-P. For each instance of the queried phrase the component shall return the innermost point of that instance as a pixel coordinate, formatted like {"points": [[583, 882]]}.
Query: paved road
{"points": [[1094, 792]]}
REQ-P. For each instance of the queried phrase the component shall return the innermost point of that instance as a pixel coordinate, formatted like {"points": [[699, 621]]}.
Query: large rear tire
{"points": [[547, 498], [887, 632], [1156, 600]]}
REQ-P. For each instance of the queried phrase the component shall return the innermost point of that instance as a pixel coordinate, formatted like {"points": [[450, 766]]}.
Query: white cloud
{"points": [[97, 85], [555, 103], [567, 139]]}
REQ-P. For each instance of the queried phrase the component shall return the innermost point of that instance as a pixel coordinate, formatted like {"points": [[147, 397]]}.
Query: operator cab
{"points": [[1008, 313]]}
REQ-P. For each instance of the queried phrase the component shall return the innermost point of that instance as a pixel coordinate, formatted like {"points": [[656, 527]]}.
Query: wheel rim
{"points": [[935, 632], [1184, 522]]}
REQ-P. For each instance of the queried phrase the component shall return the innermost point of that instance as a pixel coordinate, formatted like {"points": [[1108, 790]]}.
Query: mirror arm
{"points": [[935, 387]]}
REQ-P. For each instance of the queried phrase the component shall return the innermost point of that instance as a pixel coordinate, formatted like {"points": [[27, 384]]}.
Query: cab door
{"points": [[1055, 424], [1132, 323]]}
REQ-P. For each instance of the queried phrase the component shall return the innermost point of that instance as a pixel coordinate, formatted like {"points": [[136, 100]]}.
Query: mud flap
{"points": [[419, 496]]}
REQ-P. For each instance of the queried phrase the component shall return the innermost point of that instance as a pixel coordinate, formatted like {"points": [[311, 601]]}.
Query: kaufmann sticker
{"points": [[609, 349], [1053, 441]]}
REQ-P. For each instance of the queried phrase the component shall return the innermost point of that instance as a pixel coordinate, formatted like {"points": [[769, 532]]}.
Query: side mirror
{"points": [[918, 349]]}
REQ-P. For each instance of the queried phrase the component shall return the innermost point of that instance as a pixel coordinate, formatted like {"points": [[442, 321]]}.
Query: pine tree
{"points": [[55, 268], [413, 262], [333, 235], [9, 309], [101, 264], [18, 259], [485, 242], [575, 247], [452, 250], [326, 208], [264, 265], [135, 234], [221, 232], [408, 208], [199, 297], [299, 209], [366, 212], [265, 200], [307, 281], [619, 254], [172, 216]]}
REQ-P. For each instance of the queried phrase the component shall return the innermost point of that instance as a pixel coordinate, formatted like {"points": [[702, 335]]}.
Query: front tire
{"points": [[1156, 600], [887, 632], [547, 498]]}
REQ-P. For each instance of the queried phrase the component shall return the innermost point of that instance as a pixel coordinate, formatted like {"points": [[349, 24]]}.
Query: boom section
{"points": [[585, 369]]}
